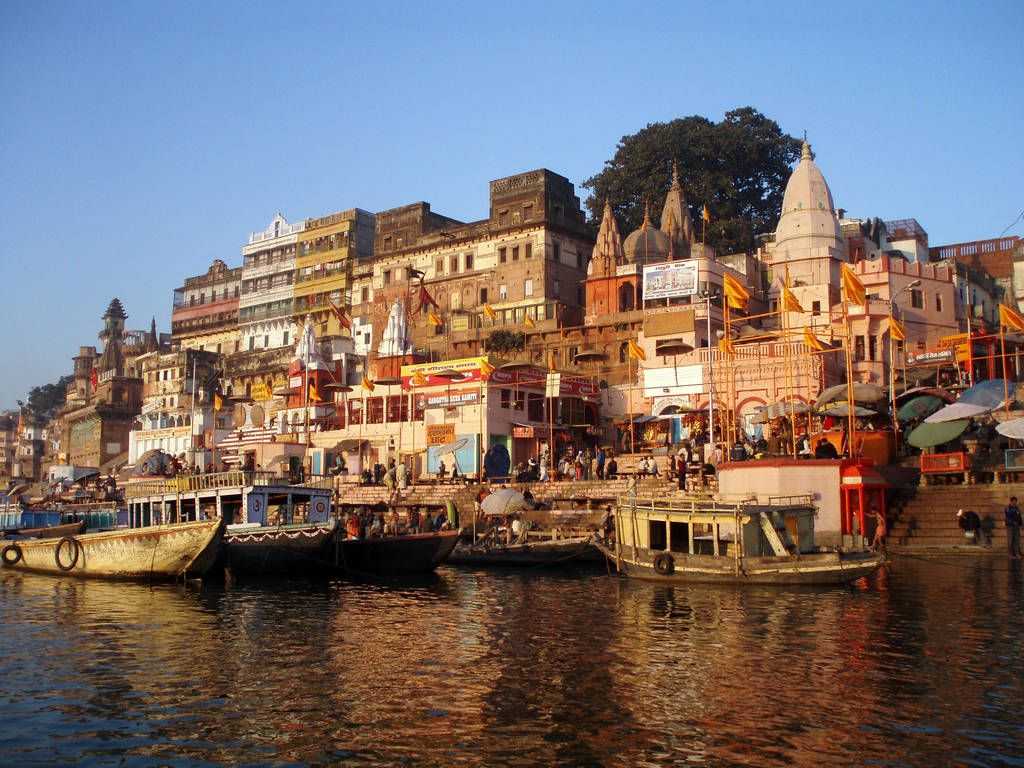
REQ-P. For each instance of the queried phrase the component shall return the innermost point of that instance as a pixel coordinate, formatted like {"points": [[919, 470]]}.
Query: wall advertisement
{"points": [[670, 280]]}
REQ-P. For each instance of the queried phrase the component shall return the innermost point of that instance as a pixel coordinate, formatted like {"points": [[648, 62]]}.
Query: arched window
{"points": [[626, 297], [623, 351]]}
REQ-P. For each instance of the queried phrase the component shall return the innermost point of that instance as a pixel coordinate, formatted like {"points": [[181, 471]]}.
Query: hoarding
{"points": [[667, 281]]}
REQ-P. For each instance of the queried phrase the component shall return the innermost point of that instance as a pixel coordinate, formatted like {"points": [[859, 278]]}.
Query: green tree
{"points": [[45, 400], [502, 342], [738, 166]]}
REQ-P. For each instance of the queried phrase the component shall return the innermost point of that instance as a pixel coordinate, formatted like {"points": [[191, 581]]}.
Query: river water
{"points": [[922, 666]]}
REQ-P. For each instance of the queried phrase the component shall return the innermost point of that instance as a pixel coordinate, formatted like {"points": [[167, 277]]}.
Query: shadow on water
{"points": [[920, 666]]}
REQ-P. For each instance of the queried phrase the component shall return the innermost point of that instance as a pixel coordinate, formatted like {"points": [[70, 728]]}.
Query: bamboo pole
{"points": [[851, 405]]}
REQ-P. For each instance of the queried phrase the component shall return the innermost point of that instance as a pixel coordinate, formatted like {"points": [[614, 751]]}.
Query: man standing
{"points": [[1013, 523], [601, 458]]}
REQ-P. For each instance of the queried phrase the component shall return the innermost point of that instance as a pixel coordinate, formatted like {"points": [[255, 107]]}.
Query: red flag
{"points": [[339, 313], [426, 301], [94, 378]]}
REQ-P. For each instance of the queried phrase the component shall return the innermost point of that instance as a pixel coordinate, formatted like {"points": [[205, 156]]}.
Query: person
{"points": [[592, 473], [738, 452], [402, 475], [1013, 524], [414, 520], [803, 446], [612, 470], [391, 524], [543, 471], [825, 450], [672, 468], [442, 470], [518, 528], [390, 480], [376, 527], [601, 459], [352, 526], [378, 473], [455, 473], [579, 465], [969, 523], [426, 523], [652, 466], [881, 530]]}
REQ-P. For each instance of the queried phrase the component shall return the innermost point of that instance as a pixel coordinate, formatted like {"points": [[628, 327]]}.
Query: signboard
{"points": [[439, 434], [295, 382], [535, 377], [522, 431], [935, 356], [553, 387], [449, 399], [679, 380], [149, 407], [468, 367], [260, 391], [666, 281], [668, 323]]}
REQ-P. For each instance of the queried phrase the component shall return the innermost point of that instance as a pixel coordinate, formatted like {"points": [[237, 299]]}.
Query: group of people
{"points": [[745, 449], [367, 524], [979, 531], [396, 476]]}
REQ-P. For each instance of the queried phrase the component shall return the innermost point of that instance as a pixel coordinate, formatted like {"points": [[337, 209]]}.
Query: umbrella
{"points": [[929, 435], [1013, 429], [862, 393], [988, 393], [504, 501], [918, 408], [779, 411], [957, 411], [942, 394], [842, 410]]}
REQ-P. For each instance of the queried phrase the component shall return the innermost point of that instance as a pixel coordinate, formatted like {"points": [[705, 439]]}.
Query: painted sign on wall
{"points": [[666, 281]]}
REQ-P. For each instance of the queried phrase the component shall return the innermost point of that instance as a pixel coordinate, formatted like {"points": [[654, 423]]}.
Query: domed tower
{"points": [[808, 214], [607, 253], [675, 218], [112, 337], [647, 245]]}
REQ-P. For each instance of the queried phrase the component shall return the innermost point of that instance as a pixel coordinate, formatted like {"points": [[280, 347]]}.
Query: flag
{"points": [[528, 322], [706, 214], [425, 301], [1010, 318], [813, 341], [789, 301], [340, 313], [94, 378], [636, 352], [726, 346], [897, 332], [551, 360], [486, 369], [735, 292], [434, 319], [218, 400], [853, 287], [418, 379], [489, 311], [367, 384]]}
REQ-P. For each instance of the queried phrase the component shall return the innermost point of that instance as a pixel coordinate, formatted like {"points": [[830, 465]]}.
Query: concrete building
{"points": [[266, 301], [205, 311], [996, 256]]}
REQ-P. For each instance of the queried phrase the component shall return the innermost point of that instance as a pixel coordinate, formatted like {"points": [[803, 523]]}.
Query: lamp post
{"points": [[892, 358]]}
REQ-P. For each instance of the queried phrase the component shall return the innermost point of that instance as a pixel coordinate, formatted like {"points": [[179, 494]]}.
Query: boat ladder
{"points": [[768, 528]]}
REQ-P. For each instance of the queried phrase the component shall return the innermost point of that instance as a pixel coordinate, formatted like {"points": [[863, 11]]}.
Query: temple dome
{"points": [[807, 207], [647, 245]]}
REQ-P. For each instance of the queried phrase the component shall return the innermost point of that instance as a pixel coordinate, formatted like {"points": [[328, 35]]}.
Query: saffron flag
{"points": [[853, 287], [726, 347], [313, 394], [434, 319], [789, 301], [551, 360], [1010, 318], [489, 311], [418, 379], [528, 322], [706, 214], [636, 352], [343, 319], [735, 292], [486, 369], [813, 341], [367, 384], [218, 400], [896, 331]]}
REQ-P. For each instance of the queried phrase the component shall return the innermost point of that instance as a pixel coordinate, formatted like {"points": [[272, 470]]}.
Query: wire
{"points": [[1012, 223]]}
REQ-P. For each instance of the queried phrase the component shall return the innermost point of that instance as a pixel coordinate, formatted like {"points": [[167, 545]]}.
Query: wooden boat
{"points": [[412, 553], [743, 542], [155, 552], [49, 532], [260, 550], [529, 553]]}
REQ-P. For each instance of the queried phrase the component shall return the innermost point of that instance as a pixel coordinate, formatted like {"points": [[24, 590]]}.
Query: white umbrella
{"points": [[1013, 428], [957, 411], [504, 501]]}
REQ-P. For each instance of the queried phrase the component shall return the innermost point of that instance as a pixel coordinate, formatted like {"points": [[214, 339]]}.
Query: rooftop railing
{"points": [[216, 480]]}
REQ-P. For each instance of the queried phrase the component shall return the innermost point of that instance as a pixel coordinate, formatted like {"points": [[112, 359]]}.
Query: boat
{"points": [[253, 549], [391, 555], [158, 552], [694, 539], [48, 531], [544, 552]]}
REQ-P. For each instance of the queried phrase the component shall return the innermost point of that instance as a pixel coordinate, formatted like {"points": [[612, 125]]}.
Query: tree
{"points": [[45, 400], [739, 167], [503, 342]]}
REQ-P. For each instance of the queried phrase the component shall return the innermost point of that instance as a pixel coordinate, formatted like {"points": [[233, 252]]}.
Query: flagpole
{"points": [[632, 427], [892, 380], [789, 364], [1006, 382], [851, 405]]}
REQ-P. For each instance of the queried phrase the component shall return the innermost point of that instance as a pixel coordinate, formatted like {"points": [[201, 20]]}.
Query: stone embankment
{"points": [[926, 517]]}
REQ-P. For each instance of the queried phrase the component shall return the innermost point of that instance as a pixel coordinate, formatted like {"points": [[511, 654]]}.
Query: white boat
{"points": [[153, 553]]}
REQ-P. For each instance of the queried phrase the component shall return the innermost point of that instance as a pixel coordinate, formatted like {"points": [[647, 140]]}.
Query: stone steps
{"points": [[927, 519]]}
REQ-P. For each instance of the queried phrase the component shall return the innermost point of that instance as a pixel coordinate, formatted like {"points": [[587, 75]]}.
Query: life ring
{"points": [[76, 549], [319, 507], [5, 554], [664, 564]]}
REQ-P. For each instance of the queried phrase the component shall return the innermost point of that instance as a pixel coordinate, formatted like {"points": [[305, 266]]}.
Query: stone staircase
{"points": [[925, 519]]}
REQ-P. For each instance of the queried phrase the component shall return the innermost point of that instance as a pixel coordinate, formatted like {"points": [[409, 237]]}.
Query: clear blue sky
{"points": [[139, 141]]}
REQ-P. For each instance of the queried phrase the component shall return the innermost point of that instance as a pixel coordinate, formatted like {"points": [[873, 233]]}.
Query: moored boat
{"points": [[389, 555], [48, 531], [528, 553], [259, 550], [153, 553], [743, 542]]}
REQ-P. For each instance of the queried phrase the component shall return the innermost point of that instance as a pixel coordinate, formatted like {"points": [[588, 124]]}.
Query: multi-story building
{"points": [[325, 252], [996, 256], [520, 269], [267, 296], [205, 313], [8, 443]]}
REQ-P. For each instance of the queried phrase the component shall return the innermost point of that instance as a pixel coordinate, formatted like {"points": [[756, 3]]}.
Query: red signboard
{"points": [[523, 431]]}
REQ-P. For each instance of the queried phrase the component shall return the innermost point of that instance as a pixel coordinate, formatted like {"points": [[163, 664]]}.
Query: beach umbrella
{"points": [[862, 393], [946, 397], [918, 408], [929, 435], [778, 411], [842, 410], [1013, 429], [989, 393], [957, 411], [504, 501]]}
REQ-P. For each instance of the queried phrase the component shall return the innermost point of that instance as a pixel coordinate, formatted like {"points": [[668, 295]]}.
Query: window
{"points": [[502, 292], [528, 251], [815, 308], [916, 299], [375, 410], [579, 259], [557, 252], [528, 288], [938, 303], [483, 295], [387, 276], [266, 341], [439, 267], [364, 294], [284, 341], [515, 253], [252, 343], [506, 398], [557, 288], [527, 213], [469, 262], [858, 348], [503, 218], [454, 263], [502, 256], [872, 347]]}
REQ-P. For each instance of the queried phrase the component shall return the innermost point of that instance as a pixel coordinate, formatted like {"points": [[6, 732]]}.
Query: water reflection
{"points": [[921, 666]]}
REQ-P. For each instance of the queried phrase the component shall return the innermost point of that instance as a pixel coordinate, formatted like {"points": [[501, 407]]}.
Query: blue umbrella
{"points": [[986, 393]]}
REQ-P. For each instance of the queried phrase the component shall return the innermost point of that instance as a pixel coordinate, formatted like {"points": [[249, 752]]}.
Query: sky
{"points": [[139, 141]]}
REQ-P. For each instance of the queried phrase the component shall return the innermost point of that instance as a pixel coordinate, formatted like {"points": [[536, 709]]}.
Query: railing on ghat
{"points": [[944, 463], [1013, 460], [234, 479]]}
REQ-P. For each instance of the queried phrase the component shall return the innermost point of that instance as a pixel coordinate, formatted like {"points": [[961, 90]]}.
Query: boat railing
{"points": [[706, 505], [215, 480]]}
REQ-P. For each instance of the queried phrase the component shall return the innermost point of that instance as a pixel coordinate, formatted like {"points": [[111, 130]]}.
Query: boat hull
{"points": [[815, 569], [153, 553], [518, 555], [414, 553], [51, 532], [284, 550]]}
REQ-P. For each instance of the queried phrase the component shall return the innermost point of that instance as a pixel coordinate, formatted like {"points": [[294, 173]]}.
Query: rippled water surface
{"points": [[924, 666]]}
